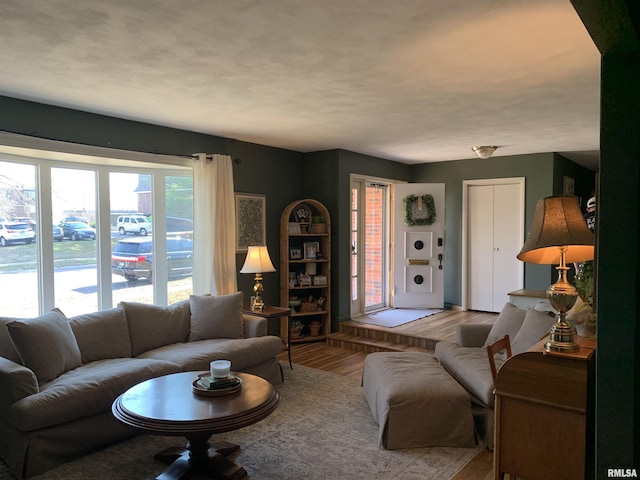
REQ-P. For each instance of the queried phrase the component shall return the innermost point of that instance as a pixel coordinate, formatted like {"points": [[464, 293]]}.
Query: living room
{"points": [[324, 175]]}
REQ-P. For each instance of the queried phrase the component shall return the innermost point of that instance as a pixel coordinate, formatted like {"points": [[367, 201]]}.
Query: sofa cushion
{"points": [[243, 353], [102, 334], [151, 326], [470, 367], [508, 322], [535, 326], [87, 390], [46, 344], [216, 316]]}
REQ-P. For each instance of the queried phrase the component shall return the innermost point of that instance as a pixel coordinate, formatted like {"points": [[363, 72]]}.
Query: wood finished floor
{"points": [[350, 363]]}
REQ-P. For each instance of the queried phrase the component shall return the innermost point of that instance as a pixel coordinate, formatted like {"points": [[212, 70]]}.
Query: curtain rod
{"points": [[235, 161]]}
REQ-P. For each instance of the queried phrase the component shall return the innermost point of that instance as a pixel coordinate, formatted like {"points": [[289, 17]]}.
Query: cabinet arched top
{"points": [[294, 209]]}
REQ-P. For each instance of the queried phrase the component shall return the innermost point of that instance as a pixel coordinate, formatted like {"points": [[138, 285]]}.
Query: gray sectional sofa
{"points": [[59, 376], [467, 362]]}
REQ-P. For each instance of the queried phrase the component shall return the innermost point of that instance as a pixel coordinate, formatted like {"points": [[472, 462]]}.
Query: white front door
{"points": [[418, 251]]}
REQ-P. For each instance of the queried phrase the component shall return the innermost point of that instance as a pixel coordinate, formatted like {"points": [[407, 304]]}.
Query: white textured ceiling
{"points": [[408, 80]]}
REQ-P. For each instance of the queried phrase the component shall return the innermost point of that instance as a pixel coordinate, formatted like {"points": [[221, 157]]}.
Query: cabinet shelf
{"points": [[308, 314], [295, 235], [319, 260], [309, 287]]}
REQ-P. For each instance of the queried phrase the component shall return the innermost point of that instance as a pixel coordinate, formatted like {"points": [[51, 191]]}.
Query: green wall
{"points": [[540, 172], [328, 179]]}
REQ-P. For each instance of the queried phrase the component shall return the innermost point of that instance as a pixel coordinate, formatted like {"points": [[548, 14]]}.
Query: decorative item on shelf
{"points": [[314, 328], [293, 303], [321, 301], [559, 235], [295, 328], [292, 280], [319, 280], [318, 224], [304, 280], [311, 250], [294, 228], [309, 304], [258, 262], [419, 210], [302, 213], [295, 253], [311, 269]]}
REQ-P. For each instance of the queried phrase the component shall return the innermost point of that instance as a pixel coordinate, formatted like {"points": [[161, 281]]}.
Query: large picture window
{"points": [[85, 236]]}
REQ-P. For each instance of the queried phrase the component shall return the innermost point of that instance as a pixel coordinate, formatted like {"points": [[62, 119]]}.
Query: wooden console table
{"points": [[544, 414]]}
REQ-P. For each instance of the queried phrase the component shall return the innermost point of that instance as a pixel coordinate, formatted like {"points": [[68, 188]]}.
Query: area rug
{"points": [[322, 430], [394, 317]]}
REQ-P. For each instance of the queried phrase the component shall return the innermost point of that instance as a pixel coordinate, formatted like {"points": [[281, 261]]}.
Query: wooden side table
{"points": [[276, 312]]}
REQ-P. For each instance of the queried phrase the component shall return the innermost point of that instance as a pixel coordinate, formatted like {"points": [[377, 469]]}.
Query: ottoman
{"points": [[415, 402]]}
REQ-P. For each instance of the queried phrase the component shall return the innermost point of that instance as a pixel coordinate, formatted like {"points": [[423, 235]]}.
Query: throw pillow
{"points": [[535, 326], [7, 349], [153, 326], [102, 334], [46, 344], [508, 322], [216, 316]]}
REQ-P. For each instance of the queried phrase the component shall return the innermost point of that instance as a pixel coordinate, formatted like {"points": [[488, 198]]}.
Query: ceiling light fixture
{"points": [[484, 151]]}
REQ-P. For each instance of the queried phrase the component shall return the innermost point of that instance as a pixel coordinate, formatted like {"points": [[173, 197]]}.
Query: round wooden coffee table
{"points": [[168, 406]]}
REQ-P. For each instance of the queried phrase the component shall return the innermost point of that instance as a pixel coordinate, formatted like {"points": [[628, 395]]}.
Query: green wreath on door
{"points": [[417, 215]]}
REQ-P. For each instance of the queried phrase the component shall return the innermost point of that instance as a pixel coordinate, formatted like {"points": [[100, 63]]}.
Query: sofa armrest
{"points": [[472, 335], [255, 326], [16, 382]]}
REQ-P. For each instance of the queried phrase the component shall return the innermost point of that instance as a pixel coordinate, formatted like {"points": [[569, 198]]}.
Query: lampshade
{"points": [[257, 260], [557, 222]]}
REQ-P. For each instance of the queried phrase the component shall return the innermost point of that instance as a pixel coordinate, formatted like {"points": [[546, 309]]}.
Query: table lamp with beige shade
{"points": [[559, 234], [258, 262]]}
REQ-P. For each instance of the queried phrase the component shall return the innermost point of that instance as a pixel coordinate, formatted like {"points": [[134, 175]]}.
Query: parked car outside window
{"points": [[132, 258], [136, 224], [58, 235], [78, 231], [16, 233]]}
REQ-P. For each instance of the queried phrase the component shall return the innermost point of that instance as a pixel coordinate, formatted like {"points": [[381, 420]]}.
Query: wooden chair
{"points": [[496, 347]]}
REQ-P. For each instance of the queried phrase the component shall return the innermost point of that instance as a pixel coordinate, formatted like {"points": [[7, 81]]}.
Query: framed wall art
{"points": [[250, 220]]}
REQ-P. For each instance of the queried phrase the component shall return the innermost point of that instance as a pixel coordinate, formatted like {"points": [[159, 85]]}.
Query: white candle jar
{"points": [[220, 368]]}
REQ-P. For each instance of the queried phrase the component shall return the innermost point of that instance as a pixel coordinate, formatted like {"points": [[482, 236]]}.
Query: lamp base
{"points": [[561, 338], [257, 304]]}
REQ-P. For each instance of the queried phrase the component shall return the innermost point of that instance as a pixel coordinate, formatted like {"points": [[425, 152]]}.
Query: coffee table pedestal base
{"points": [[200, 457]]}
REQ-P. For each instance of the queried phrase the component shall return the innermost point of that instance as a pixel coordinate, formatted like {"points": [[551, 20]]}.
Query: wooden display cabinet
{"points": [[305, 268]]}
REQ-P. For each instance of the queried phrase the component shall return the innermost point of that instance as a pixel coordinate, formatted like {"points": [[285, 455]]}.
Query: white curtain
{"points": [[214, 226]]}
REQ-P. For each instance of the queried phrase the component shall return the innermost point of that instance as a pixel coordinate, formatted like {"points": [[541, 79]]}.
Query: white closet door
{"points": [[480, 272], [494, 221], [507, 271]]}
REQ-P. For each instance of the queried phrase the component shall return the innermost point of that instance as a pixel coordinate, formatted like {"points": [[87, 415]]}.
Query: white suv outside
{"points": [[137, 224]]}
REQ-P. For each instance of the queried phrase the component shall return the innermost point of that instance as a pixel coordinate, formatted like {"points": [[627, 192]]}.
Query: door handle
{"points": [[440, 260]]}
